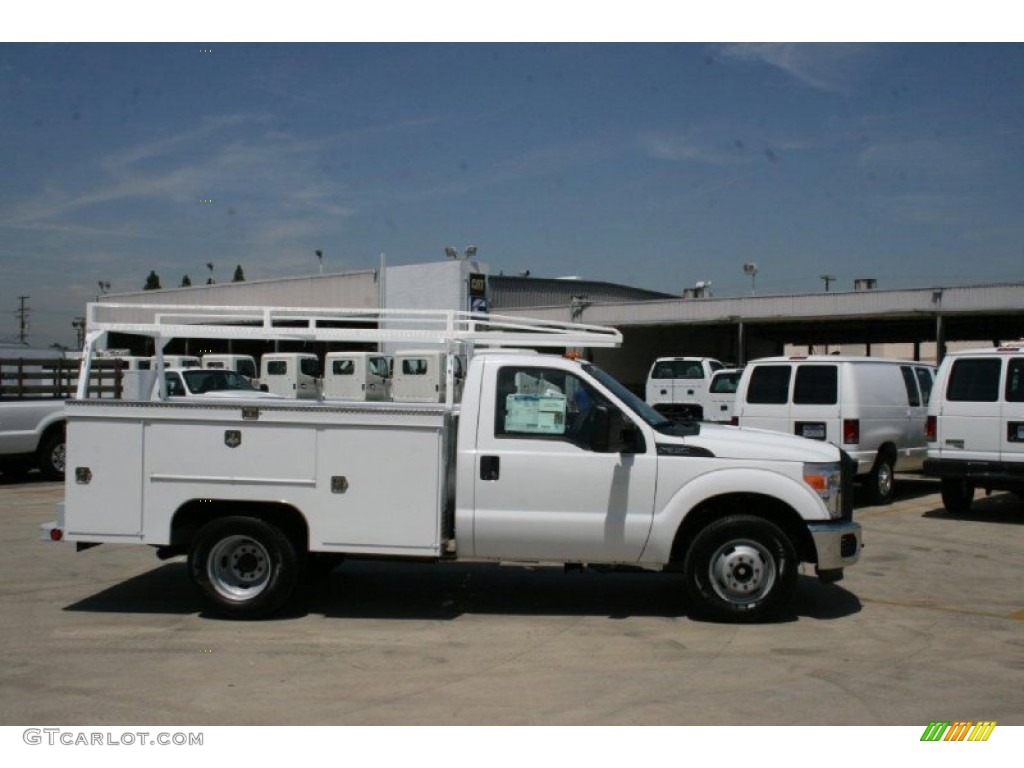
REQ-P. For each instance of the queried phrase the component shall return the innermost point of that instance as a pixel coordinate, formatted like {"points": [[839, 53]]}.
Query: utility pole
{"points": [[23, 313], [828, 280]]}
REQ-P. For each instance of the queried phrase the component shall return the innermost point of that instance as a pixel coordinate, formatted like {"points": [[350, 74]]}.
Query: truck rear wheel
{"points": [[957, 495], [881, 480], [52, 456], [740, 568], [246, 568]]}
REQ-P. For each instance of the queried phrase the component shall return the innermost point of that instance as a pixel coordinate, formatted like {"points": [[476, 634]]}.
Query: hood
{"points": [[754, 444]]}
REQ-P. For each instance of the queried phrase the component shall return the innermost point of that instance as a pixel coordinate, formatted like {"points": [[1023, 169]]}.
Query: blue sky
{"points": [[654, 165]]}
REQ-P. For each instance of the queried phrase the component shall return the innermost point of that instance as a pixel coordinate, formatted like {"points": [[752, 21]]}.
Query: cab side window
{"points": [[545, 403], [277, 368]]}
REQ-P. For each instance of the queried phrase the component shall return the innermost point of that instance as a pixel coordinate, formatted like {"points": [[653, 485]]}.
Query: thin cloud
{"points": [[829, 67]]}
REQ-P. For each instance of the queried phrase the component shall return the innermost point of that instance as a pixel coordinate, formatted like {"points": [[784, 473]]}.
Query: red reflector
{"points": [[931, 429], [56, 534], [851, 431]]}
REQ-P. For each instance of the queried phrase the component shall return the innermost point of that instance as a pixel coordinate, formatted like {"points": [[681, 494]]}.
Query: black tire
{"points": [[957, 495], [52, 456], [246, 568], [881, 481], [740, 568]]}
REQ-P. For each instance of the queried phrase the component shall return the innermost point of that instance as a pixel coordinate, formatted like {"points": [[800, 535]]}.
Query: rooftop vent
{"points": [[865, 284]]}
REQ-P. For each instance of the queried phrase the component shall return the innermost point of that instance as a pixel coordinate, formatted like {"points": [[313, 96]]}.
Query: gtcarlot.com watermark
{"points": [[55, 737]]}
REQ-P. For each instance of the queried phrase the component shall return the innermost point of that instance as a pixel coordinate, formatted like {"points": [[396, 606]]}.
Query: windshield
{"points": [[638, 406], [205, 380]]}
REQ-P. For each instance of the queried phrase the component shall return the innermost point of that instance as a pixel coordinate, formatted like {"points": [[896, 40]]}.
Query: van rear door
{"points": [[815, 412], [1012, 447], [763, 402], [970, 426]]}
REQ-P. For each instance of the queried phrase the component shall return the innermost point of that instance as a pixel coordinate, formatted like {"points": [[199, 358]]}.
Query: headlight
{"points": [[826, 480]]}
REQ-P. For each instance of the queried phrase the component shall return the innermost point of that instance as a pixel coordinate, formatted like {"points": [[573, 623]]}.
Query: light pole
{"points": [[320, 258], [79, 325]]}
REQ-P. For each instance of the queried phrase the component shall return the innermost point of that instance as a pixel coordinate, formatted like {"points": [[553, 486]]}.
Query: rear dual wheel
{"points": [[245, 567]]}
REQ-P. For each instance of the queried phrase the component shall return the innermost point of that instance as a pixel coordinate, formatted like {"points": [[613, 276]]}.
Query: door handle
{"points": [[490, 467]]}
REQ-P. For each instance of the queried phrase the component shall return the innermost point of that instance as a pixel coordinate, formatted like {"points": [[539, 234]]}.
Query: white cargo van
{"points": [[290, 374], [420, 376], [976, 424], [676, 385], [873, 408], [244, 365], [357, 376]]}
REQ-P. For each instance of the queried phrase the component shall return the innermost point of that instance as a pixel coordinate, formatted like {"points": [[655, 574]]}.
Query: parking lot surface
{"points": [[928, 626]]}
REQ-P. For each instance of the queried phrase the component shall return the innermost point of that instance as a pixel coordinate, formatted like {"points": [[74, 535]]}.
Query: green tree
{"points": [[239, 275], [186, 281], [152, 282]]}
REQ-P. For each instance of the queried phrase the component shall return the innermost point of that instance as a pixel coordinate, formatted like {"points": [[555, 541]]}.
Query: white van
{"points": [[976, 424], [241, 364], [291, 374], [720, 399], [875, 409], [357, 376], [420, 376], [676, 385]]}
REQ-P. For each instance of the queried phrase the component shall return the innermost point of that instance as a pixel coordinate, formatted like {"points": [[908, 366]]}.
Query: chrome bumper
{"points": [[838, 543]]}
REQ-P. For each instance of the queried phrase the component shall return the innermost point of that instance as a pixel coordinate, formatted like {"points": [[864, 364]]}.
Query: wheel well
{"points": [[194, 514], [56, 428], [757, 505], [888, 450]]}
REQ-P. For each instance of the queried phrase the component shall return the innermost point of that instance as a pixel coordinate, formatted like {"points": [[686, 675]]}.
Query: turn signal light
{"points": [[56, 534], [931, 429]]}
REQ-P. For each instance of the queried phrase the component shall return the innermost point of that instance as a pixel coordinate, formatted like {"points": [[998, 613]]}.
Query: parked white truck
{"points": [[546, 460], [677, 386]]}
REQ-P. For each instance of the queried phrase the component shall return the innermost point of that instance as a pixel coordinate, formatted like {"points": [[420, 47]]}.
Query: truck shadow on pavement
{"points": [[1003, 508], [430, 592]]}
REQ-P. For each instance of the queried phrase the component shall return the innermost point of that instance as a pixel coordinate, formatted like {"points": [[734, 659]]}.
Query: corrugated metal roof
{"points": [[509, 292]]}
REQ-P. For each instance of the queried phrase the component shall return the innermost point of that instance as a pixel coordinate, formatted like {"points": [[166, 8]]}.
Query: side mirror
{"points": [[613, 433], [601, 436]]}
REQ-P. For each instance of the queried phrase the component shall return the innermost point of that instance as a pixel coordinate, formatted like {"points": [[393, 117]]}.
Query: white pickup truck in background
{"points": [[677, 386], [545, 460]]}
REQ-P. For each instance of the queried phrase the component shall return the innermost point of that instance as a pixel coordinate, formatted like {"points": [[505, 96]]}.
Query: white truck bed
{"points": [[184, 452]]}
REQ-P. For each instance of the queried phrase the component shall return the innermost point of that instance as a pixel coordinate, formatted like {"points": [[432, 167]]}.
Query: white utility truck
{"points": [[546, 460]]}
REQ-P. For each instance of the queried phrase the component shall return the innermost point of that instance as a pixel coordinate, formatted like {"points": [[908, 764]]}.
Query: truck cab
{"points": [[357, 376], [291, 374]]}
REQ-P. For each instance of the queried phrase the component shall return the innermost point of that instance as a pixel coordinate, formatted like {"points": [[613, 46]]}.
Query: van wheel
{"points": [[245, 567], [53, 456], [881, 481], [740, 568], [957, 495]]}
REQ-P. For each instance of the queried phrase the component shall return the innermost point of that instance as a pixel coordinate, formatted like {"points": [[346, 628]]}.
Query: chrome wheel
{"points": [[741, 571], [238, 568]]}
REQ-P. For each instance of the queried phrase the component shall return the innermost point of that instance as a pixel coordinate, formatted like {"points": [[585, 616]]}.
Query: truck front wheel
{"points": [[740, 568], [245, 567]]}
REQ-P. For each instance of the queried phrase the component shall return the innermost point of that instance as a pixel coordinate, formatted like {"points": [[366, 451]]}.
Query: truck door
{"points": [[763, 402], [541, 491]]}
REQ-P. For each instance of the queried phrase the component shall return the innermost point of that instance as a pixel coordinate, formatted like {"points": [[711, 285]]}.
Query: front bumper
{"points": [[838, 543]]}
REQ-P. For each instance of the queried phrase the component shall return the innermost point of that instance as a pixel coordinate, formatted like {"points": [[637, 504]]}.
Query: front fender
{"points": [[672, 511]]}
